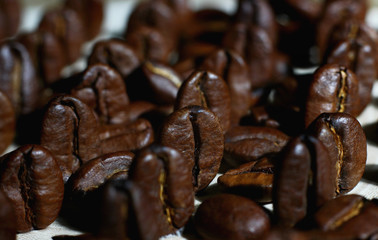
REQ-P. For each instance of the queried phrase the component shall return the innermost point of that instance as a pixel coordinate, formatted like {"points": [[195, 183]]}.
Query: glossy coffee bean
{"points": [[334, 88], [10, 17], [197, 134], [18, 77], [232, 68], [32, 180], [68, 27], [70, 132], [253, 180], [304, 180], [104, 91], [204, 88], [92, 14], [227, 216], [115, 53], [348, 154], [82, 205], [8, 227], [247, 143]]}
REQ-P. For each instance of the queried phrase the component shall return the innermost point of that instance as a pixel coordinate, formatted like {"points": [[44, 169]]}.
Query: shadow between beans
{"points": [[371, 174], [371, 132]]}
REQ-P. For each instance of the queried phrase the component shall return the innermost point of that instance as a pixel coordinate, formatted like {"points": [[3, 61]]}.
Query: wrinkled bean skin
{"points": [[31, 179], [7, 123], [104, 91], [117, 54], [247, 143], [196, 133], [70, 132], [345, 141], [10, 16], [91, 12], [204, 88], [8, 226], [304, 181], [334, 88], [18, 77], [82, 207], [227, 216], [232, 68]]}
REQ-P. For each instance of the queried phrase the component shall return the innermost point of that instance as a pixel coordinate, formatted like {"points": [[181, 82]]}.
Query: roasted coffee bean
{"points": [[31, 179], [150, 44], [334, 88], [255, 45], [345, 141], [117, 54], [104, 91], [197, 134], [91, 12], [227, 216], [82, 207], [259, 116], [246, 143], [310, 9], [303, 181], [204, 88], [352, 215], [335, 12], [258, 13], [47, 54], [253, 180], [126, 137], [7, 123], [68, 27], [182, 11], [18, 77], [231, 67], [8, 226], [358, 55], [10, 16], [154, 82], [70, 132]]}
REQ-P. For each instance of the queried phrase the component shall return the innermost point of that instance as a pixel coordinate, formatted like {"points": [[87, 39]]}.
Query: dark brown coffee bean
{"points": [[154, 82], [253, 180], [204, 88], [334, 12], [352, 215], [258, 13], [10, 16], [260, 117], [68, 27], [334, 88], [348, 154], [117, 54], [358, 55], [82, 205], [246, 143], [91, 12], [8, 226], [126, 137], [70, 132], [182, 11], [104, 91], [310, 9], [231, 67], [7, 123], [303, 181], [255, 45], [197, 134], [32, 180], [227, 216], [18, 77]]}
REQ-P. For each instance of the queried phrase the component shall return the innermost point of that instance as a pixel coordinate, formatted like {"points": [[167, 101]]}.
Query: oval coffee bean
{"points": [[30, 177], [204, 88], [70, 132], [197, 134], [10, 16], [345, 141], [8, 226], [334, 88], [227, 216]]}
